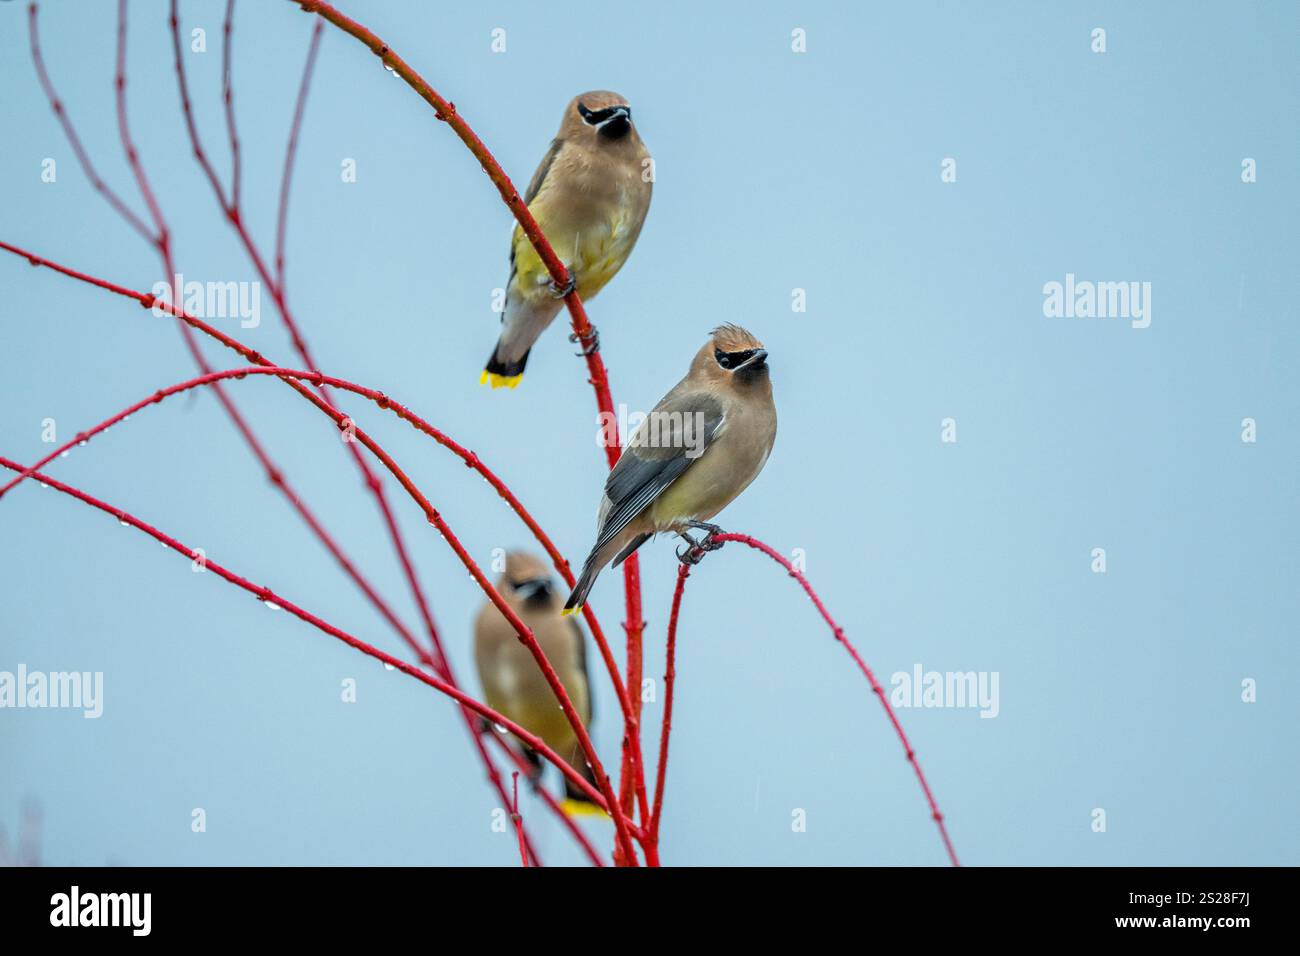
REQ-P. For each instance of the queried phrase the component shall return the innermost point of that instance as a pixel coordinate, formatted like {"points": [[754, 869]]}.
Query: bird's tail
{"points": [[576, 803], [590, 571], [523, 321], [502, 374]]}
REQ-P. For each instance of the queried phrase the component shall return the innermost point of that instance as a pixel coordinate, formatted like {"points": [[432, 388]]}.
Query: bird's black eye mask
{"points": [[613, 122], [734, 360], [596, 117], [530, 584], [537, 590]]}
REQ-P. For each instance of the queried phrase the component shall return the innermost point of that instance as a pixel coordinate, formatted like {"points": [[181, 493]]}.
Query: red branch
{"points": [[124, 129], [517, 817], [211, 379], [857, 659], [228, 99], [162, 242], [434, 517], [83, 158], [633, 773], [583, 332], [290, 376], [163, 245], [313, 385], [552, 804], [234, 215], [266, 594], [670, 677], [291, 152], [274, 283]]}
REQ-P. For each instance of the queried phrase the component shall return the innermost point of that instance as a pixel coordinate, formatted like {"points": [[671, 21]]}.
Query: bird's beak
{"points": [[616, 124], [754, 361]]}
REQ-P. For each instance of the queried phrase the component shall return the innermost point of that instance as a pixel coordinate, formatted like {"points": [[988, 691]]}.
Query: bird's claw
{"points": [[690, 554], [561, 292], [709, 529], [590, 344], [693, 552]]}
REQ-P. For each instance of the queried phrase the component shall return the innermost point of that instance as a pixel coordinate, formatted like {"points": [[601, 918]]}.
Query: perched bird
{"points": [[513, 683], [702, 445], [590, 196]]}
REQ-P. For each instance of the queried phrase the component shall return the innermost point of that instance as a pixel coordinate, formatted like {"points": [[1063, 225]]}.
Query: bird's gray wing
{"points": [[675, 434], [534, 187], [539, 177]]}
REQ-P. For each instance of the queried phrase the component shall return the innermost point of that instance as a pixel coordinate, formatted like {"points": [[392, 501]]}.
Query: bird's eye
{"points": [[730, 360]]}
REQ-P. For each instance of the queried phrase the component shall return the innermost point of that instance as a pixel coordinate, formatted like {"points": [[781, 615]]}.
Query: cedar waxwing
{"points": [[512, 682], [702, 445], [590, 196]]}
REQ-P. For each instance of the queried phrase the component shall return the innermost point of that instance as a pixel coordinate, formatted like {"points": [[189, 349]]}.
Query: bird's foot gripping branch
{"points": [[590, 342], [693, 552]]}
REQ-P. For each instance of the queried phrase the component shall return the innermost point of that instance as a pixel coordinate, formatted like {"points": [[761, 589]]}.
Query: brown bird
{"points": [[513, 683], [703, 444], [590, 196]]}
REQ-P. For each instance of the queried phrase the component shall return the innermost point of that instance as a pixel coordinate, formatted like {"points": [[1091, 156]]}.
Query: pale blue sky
{"points": [[776, 171]]}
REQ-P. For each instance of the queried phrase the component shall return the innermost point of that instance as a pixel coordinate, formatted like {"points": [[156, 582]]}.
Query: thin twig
{"points": [[162, 243], [575, 831], [876, 689], [124, 131], [266, 594], [228, 99], [379, 398], [162, 246], [433, 516], [518, 817], [583, 331], [83, 158], [291, 152], [670, 677], [234, 216]]}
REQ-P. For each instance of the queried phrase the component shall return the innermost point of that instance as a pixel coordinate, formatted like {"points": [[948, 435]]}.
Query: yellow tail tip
{"points": [[580, 808], [571, 610], [499, 381]]}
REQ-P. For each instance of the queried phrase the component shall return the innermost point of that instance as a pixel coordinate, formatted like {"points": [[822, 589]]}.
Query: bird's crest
{"points": [[732, 338]]}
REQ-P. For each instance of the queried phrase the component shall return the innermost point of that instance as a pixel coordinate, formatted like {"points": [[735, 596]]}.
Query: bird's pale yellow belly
{"points": [[595, 247], [707, 486], [515, 686]]}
